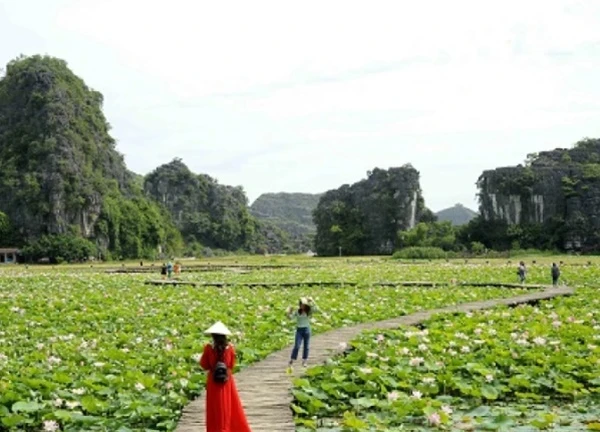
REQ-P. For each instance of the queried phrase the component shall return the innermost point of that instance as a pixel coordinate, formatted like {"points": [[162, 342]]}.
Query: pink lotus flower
{"points": [[434, 419], [416, 361], [393, 395]]}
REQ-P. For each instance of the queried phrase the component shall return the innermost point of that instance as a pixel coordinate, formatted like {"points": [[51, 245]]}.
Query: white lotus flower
{"points": [[51, 426], [54, 360], [72, 404], [447, 409]]}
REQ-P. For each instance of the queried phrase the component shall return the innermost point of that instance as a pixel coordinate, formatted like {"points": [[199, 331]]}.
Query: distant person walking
{"points": [[522, 272], [169, 269], [224, 410], [555, 271], [302, 315], [163, 271]]}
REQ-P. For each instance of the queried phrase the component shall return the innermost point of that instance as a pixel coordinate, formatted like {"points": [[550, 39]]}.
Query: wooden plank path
{"points": [[265, 388], [176, 282], [153, 268]]}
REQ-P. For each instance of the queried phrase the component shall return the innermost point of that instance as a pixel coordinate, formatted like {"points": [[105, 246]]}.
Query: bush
{"points": [[60, 248], [417, 252], [477, 248]]}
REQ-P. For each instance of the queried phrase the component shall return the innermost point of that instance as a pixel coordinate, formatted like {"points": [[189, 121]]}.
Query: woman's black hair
{"points": [[308, 309], [220, 343]]}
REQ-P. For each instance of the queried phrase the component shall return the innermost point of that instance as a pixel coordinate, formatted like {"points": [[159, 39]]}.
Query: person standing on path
{"points": [[224, 410], [555, 271], [302, 315], [522, 272], [169, 269]]}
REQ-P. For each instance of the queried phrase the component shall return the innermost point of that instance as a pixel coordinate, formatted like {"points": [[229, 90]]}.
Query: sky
{"points": [[281, 96]]}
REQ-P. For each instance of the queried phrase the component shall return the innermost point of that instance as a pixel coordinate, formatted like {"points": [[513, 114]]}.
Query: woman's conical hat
{"points": [[304, 301], [218, 328]]}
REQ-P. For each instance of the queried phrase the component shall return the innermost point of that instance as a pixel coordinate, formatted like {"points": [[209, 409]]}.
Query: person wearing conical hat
{"points": [[224, 410], [302, 315]]}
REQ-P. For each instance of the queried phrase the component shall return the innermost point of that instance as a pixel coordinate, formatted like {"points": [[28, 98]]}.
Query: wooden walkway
{"points": [[155, 268], [340, 284], [265, 389]]}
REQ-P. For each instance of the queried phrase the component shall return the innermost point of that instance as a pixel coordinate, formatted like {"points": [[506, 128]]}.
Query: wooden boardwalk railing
{"points": [[265, 389]]}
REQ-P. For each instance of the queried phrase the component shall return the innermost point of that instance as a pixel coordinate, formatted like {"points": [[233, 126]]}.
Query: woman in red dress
{"points": [[224, 411]]}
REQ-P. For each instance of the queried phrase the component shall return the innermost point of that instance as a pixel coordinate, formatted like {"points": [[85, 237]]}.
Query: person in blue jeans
{"points": [[302, 315]]}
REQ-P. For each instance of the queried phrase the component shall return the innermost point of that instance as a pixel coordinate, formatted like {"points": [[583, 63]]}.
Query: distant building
{"points": [[8, 255]]}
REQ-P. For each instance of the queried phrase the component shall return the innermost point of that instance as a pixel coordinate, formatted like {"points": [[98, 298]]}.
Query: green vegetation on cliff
{"points": [[364, 218], [60, 174], [551, 202], [209, 214], [205, 211], [290, 212]]}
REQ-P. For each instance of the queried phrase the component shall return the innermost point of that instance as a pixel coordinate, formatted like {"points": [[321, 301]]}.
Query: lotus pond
{"points": [[82, 350], [522, 369], [85, 350]]}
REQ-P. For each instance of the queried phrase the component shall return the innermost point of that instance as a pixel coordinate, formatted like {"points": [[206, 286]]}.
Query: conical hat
{"points": [[304, 301], [218, 328]]}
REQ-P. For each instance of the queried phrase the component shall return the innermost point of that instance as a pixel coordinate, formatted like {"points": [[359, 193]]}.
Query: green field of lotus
{"points": [[84, 350], [522, 369]]}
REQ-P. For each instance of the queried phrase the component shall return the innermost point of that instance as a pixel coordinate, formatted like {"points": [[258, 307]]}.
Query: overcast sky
{"points": [[306, 96]]}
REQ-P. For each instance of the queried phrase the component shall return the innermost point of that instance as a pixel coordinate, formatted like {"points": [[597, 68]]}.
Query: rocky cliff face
{"points": [[205, 211], [56, 156], [560, 185], [365, 217], [60, 172]]}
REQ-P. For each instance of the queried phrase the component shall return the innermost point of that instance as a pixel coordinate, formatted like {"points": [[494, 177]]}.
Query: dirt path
{"points": [[265, 388]]}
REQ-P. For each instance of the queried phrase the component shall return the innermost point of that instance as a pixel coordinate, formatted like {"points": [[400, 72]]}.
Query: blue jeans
{"points": [[302, 334]]}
